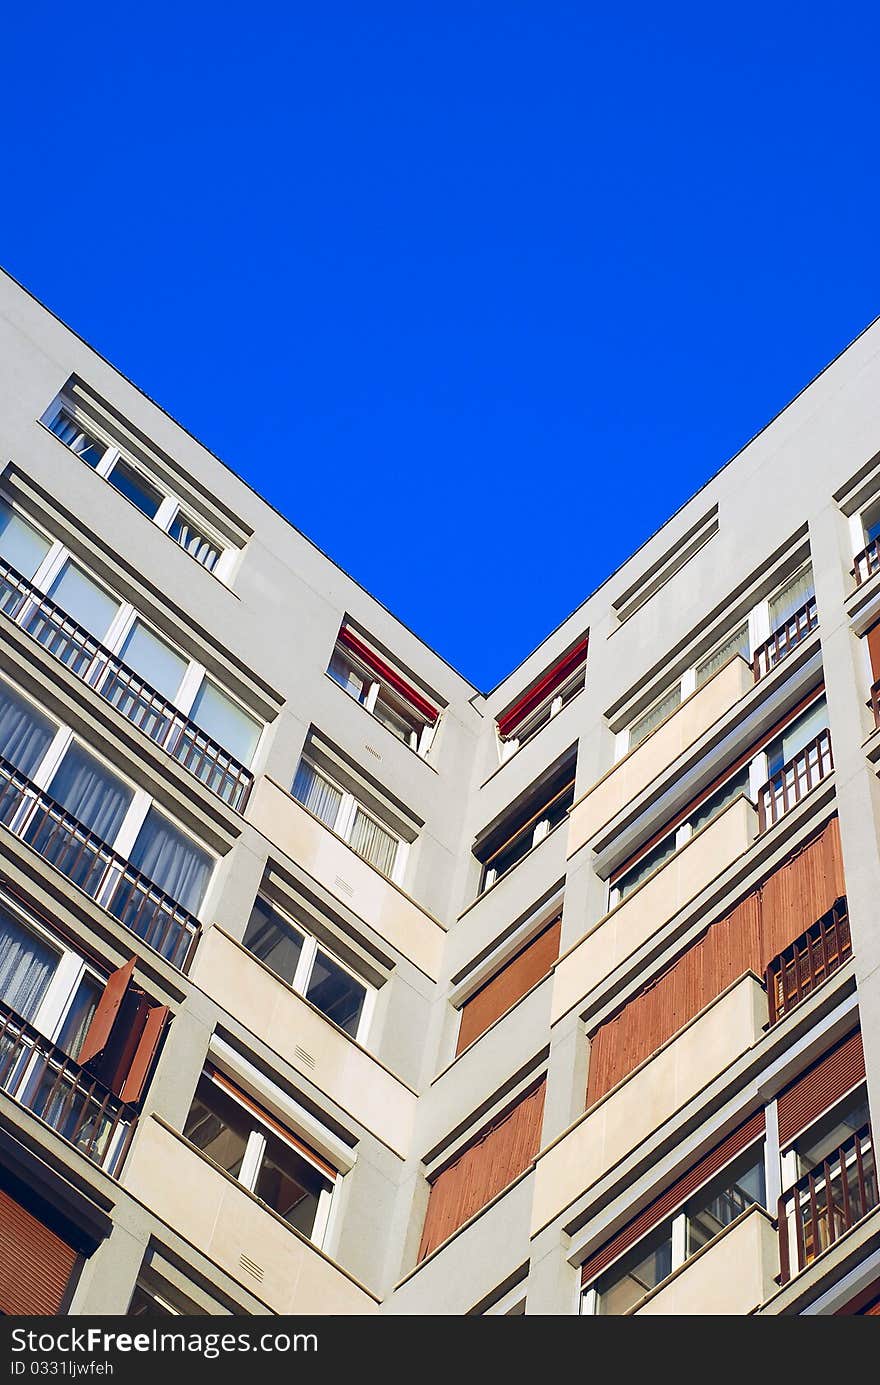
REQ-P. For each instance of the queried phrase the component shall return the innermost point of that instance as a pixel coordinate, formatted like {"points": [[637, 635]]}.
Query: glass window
{"points": [[737, 643], [651, 861], [348, 677], [275, 941], [84, 601], [831, 1131], [721, 799], [290, 1185], [225, 722], [172, 861], [80, 1014], [646, 1265], [649, 720], [317, 794], [25, 734], [184, 532], [397, 724], [153, 660], [373, 843], [735, 1189], [797, 736], [65, 427], [135, 488], [790, 598], [336, 993], [218, 1125], [27, 965], [90, 793], [21, 545]]}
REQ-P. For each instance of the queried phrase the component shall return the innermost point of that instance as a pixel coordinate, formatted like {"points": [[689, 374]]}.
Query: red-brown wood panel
{"points": [[35, 1264], [498, 1155], [820, 1086], [509, 985], [874, 649], [748, 938]]}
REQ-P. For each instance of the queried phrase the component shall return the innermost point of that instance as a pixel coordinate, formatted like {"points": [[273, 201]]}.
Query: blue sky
{"points": [[476, 295]]}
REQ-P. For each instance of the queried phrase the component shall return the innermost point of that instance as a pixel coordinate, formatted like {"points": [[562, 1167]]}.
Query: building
{"points": [[331, 984]]}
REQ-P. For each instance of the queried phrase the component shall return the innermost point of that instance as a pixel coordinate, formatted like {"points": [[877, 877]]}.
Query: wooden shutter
{"points": [[131, 1087], [820, 1086], [124, 1035], [97, 1035], [35, 1264], [663, 1206], [509, 985], [492, 1160], [873, 638]]}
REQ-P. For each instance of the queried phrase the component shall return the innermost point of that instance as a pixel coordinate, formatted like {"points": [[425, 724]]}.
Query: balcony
{"points": [[349, 878], [641, 914], [271, 1010], [808, 961], [795, 780], [43, 1079], [867, 562], [826, 1202], [875, 702], [96, 868], [119, 685], [642, 765], [228, 1224], [732, 1275], [652, 1093], [784, 639]]}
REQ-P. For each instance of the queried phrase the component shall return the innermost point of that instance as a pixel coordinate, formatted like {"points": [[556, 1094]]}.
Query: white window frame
{"points": [[54, 1008], [349, 806], [195, 674], [169, 507], [758, 621], [311, 945], [419, 741]]}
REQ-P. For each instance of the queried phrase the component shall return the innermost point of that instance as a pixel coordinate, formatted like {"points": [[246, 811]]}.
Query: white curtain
{"points": [[93, 795], [373, 843], [793, 596], [316, 793], [77, 440], [25, 735], [659, 712], [737, 643], [225, 722], [26, 967], [173, 862]]}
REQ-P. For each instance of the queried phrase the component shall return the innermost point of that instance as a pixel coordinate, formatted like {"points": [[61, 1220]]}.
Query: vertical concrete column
{"points": [[107, 1281], [553, 1282], [857, 786]]}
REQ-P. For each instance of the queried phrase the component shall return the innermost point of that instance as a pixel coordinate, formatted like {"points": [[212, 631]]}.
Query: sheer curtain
{"points": [[25, 734], [373, 843], [794, 595], [27, 965], [316, 793], [173, 862], [94, 796]]}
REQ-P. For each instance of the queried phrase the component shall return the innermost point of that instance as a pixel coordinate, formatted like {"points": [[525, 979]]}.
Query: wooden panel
{"points": [[35, 1264], [820, 1086], [134, 1081], [498, 1155], [675, 1194], [101, 1027], [873, 638], [509, 985]]}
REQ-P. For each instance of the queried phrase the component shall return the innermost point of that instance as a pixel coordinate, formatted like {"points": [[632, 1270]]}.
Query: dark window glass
{"points": [[336, 993], [290, 1185], [276, 942], [735, 1189], [646, 1265], [135, 488], [217, 1125]]}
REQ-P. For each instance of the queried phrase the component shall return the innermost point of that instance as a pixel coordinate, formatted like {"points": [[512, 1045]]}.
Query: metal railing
{"points": [[96, 868], [808, 961], [795, 780], [867, 562], [784, 638], [41, 1077], [124, 689], [826, 1202]]}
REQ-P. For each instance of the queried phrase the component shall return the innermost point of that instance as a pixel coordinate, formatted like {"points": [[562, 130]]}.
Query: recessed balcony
{"points": [[827, 1202], [798, 970], [867, 562], [785, 638], [803, 773], [734, 1274]]}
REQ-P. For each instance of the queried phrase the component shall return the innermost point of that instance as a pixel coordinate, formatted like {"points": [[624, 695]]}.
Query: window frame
{"points": [[343, 825], [72, 968], [543, 714], [375, 689]]}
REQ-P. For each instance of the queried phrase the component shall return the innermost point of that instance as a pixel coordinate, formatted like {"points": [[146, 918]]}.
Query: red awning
{"points": [[388, 675], [545, 686]]}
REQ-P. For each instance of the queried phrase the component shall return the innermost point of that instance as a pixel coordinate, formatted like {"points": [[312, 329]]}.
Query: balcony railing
{"points": [[39, 1076], [784, 638], [808, 961], [826, 1202], [875, 702], [119, 685], [96, 868], [867, 562], [795, 780]]}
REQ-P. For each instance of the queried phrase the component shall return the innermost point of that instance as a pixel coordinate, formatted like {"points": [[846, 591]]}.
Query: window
{"points": [[45, 982], [526, 825], [642, 1270], [274, 1165], [650, 720], [340, 811], [543, 700], [382, 691], [737, 643], [737, 1188], [89, 613], [796, 736], [134, 482], [297, 958]]}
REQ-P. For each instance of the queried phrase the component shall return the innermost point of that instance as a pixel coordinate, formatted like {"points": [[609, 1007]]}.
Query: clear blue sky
{"points": [[476, 294]]}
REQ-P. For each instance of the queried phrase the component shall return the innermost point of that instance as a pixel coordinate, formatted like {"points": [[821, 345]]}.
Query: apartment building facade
{"points": [[329, 984]]}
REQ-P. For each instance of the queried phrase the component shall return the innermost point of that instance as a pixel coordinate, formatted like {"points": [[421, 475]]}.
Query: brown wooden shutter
{"points": [[131, 1088], [873, 638], [492, 1160], [530, 965], [820, 1086], [652, 1215], [124, 1035], [35, 1263], [98, 1033]]}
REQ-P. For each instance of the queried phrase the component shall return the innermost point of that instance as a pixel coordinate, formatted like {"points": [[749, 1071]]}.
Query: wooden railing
{"points": [[784, 638], [124, 689], [795, 780], [826, 1202], [875, 702], [40, 1076], [96, 868], [808, 961], [867, 562]]}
